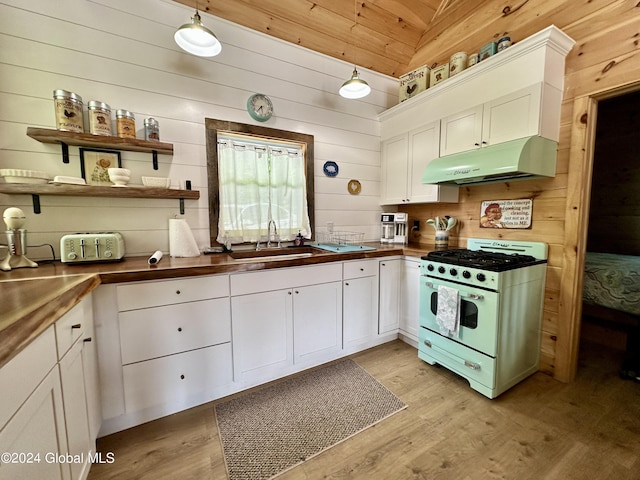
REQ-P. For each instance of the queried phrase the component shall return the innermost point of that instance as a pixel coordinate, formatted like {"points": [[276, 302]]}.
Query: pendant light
{"points": [[197, 39], [355, 87]]}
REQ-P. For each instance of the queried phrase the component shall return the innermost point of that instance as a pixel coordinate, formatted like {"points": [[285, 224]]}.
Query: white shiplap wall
{"points": [[122, 53]]}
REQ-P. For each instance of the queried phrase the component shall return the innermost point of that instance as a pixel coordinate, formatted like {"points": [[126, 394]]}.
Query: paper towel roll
{"points": [[181, 241]]}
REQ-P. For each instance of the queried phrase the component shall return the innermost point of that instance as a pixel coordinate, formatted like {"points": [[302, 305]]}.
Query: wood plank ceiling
{"points": [[380, 35]]}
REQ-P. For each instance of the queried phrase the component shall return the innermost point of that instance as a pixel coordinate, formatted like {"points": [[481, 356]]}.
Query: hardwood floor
{"points": [[540, 429]]}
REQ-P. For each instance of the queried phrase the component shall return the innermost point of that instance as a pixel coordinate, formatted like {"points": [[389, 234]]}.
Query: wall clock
{"points": [[260, 107]]}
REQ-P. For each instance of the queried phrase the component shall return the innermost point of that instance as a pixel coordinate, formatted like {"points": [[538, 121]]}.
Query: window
{"points": [[256, 175]]}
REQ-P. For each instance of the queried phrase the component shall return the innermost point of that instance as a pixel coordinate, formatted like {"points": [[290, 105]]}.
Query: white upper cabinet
{"points": [[404, 158], [516, 115], [514, 94]]}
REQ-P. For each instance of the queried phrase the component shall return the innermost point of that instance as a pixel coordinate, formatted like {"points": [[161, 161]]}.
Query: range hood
{"points": [[521, 159]]}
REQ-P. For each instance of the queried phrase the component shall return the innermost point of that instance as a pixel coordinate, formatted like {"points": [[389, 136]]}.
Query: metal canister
{"points": [[125, 124], [473, 59], [99, 118], [457, 63], [503, 43], [68, 107], [151, 130]]}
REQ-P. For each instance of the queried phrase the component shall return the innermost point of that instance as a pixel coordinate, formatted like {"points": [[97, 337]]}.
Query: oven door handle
{"points": [[473, 296]]}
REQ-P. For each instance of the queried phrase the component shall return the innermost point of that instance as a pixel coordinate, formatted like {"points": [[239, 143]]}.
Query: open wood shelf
{"points": [[47, 135], [94, 191]]}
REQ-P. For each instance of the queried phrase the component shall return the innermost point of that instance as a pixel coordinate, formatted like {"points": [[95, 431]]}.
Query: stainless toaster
{"points": [[91, 247]]}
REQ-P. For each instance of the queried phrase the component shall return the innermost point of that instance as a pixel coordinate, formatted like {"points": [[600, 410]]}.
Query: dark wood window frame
{"points": [[214, 126]]}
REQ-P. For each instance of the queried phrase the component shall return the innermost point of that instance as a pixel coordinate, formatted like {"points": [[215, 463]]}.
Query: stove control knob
{"points": [[441, 269], [481, 277], [466, 274], [453, 272], [430, 267]]}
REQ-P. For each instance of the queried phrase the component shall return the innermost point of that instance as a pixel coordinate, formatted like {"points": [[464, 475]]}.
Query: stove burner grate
{"points": [[493, 261]]}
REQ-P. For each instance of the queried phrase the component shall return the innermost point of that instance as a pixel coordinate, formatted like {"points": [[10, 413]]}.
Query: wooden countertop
{"points": [[34, 298]]}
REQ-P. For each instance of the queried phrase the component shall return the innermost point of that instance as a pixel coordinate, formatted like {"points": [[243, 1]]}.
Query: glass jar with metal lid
{"points": [[68, 107], [99, 118], [151, 130], [125, 124]]}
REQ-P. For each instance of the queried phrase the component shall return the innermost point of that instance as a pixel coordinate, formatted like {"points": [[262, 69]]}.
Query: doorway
{"points": [[611, 294]]}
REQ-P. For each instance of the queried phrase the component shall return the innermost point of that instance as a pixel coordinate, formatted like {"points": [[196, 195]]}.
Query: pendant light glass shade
{"points": [[355, 87], [197, 39]]}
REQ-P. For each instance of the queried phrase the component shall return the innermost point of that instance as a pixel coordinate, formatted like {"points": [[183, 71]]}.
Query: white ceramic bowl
{"points": [[119, 176], [158, 182]]}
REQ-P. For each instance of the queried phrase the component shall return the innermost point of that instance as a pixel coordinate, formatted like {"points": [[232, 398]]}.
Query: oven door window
{"points": [[468, 311]]}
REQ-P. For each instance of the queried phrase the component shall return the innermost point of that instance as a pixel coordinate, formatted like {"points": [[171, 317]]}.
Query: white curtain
{"points": [[260, 182]]}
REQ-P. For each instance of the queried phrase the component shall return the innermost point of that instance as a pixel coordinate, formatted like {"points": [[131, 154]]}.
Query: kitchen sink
{"points": [[271, 254]]}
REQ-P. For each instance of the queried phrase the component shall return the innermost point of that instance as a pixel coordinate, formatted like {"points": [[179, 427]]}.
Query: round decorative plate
{"points": [[330, 168], [354, 187]]}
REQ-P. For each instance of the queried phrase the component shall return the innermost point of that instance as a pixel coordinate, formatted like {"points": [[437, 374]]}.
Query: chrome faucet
{"points": [[275, 233]]}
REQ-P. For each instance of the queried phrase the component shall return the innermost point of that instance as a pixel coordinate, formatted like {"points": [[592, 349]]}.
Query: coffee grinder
{"points": [[16, 239]]}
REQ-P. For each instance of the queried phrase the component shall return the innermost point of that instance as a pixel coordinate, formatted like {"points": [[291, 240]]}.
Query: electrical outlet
{"points": [[416, 225]]}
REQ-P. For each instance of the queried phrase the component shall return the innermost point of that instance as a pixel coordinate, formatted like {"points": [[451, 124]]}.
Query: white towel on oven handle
{"points": [[448, 311]]}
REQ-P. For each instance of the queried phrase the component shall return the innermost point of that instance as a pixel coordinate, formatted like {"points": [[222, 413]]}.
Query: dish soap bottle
{"points": [[299, 240]]}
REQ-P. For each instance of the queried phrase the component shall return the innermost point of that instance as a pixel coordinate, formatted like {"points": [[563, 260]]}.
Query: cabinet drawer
{"points": [[22, 374], [72, 325], [282, 278], [167, 292], [458, 358], [173, 379], [360, 268], [154, 332]]}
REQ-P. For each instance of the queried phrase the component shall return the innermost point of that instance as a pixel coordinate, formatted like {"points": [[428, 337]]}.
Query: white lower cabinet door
{"points": [[175, 380], [317, 322], [410, 299], [262, 332], [389, 295], [72, 374], [37, 428], [360, 311]]}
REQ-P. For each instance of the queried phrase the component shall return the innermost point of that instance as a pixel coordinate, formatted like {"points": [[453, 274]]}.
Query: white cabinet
{"points": [[360, 304], [79, 383], [175, 343], [31, 412], [296, 323], [390, 274], [72, 375], [262, 334], [410, 299], [317, 322], [516, 115], [404, 158]]}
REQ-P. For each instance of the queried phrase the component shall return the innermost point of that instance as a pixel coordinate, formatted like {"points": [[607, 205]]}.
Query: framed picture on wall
{"points": [[94, 165]]}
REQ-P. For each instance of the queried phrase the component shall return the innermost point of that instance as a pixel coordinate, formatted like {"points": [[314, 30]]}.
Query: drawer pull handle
{"points": [[178, 292], [297, 292], [362, 269], [475, 296], [427, 343], [471, 365], [77, 325], [181, 377], [289, 292], [87, 339], [179, 329], [346, 283]]}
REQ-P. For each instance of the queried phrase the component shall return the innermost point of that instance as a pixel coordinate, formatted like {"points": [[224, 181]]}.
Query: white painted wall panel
{"points": [[123, 53]]}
